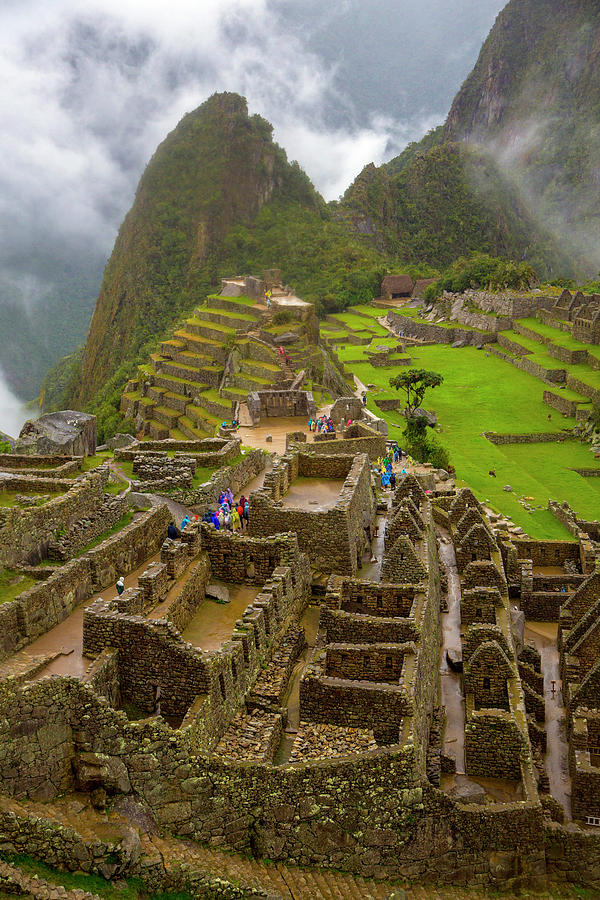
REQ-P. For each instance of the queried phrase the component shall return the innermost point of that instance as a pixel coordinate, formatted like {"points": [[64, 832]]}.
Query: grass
{"points": [[8, 498], [118, 526], [13, 583], [484, 393], [204, 473], [115, 485], [93, 884], [91, 462]]}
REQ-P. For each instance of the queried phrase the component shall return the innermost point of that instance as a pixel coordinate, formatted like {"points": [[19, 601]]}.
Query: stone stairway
{"points": [[180, 393], [92, 832]]}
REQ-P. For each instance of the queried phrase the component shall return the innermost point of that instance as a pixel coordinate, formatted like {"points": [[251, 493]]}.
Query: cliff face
{"points": [[441, 200], [533, 102], [218, 168]]}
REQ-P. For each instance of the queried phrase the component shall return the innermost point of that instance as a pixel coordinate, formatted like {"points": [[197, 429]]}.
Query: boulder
{"points": [[68, 433], [120, 440], [468, 791], [217, 592], [288, 337], [508, 488], [454, 660]]}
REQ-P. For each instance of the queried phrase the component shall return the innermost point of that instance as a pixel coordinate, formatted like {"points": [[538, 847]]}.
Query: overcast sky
{"points": [[90, 87]]}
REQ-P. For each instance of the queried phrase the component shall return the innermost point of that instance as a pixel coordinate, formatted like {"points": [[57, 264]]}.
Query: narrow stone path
{"points": [[452, 699]]}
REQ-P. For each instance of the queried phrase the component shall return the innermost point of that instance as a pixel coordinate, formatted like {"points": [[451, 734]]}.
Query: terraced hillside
{"points": [[533, 385], [202, 374]]}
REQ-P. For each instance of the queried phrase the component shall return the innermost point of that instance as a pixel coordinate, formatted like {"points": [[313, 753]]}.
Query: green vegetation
{"points": [[481, 271], [483, 393], [415, 383], [13, 583], [445, 201], [9, 498], [131, 889], [125, 519]]}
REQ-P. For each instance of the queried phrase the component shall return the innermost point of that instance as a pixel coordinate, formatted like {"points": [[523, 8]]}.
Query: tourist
{"points": [[246, 512], [393, 481], [172, 531], [120, 586], [221, 516], [364, 398], [207, 517], [287, 359], [185, 521], [240, 512], [403, 472], [385, 481], [235, 520], [227, 518], [229, 497], [216, 522]]}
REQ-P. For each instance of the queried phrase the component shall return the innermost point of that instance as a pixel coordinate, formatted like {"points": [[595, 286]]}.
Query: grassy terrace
{"points": [[539, 355], [561, 338], [483, 393]]}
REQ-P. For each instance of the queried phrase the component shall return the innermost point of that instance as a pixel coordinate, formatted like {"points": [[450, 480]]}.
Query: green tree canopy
{"points": [[414, 383]]}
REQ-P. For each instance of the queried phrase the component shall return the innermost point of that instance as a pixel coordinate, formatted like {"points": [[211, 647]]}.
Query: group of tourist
{"points": [[322, 425], [229, 515], [234, 424], [384, 467]]}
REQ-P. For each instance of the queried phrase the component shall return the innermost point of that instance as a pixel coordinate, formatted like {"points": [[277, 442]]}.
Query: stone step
{"points": [[234, 305], [213, 403], [187, 373], [251, 382], [158, 431], [210, 330], [203, 345], [229, 318], [166, 416], [202, 419], [191, 430], [178, 385], [169, 399], [235, 393]]}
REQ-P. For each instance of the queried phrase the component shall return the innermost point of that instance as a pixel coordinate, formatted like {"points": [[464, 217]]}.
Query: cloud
{"points": [[89, 89]]}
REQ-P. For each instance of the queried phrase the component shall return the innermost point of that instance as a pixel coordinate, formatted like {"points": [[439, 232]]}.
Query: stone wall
{"points": [[25, 534], [381, 662], [207, 453], [86, 530], [334, 538], [280, 404], [235, 477], [530, 438], [561, 404], [49, 602], [493, 745], [439, 334], [357, 438]]}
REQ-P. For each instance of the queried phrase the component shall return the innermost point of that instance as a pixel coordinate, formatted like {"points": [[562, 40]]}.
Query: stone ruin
{"points": [[395, 722]]}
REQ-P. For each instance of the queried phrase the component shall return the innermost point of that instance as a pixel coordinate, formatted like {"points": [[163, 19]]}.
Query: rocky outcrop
{"points": [[67, 432]]}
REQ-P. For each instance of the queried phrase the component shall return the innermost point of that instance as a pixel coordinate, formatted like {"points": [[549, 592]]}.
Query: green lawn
{"points": [[484, 393], [90, 462], [8, 498], [13, 583]]}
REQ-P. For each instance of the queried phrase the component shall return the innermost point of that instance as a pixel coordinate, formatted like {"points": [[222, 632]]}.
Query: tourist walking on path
{"points": [[172, 531], [235, 520], [120, 586]]}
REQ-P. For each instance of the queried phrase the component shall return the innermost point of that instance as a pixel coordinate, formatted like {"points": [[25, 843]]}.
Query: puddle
{"points": [[543, 635], [452, 699], [254, 436], [67, 637], [213, 624], [313, 494]]}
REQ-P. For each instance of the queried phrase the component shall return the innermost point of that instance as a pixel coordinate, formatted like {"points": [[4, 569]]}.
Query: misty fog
{"points": [[89, 91]]}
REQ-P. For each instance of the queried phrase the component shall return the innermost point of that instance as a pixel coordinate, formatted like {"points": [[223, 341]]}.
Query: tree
{"points": [[414, 383]]}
